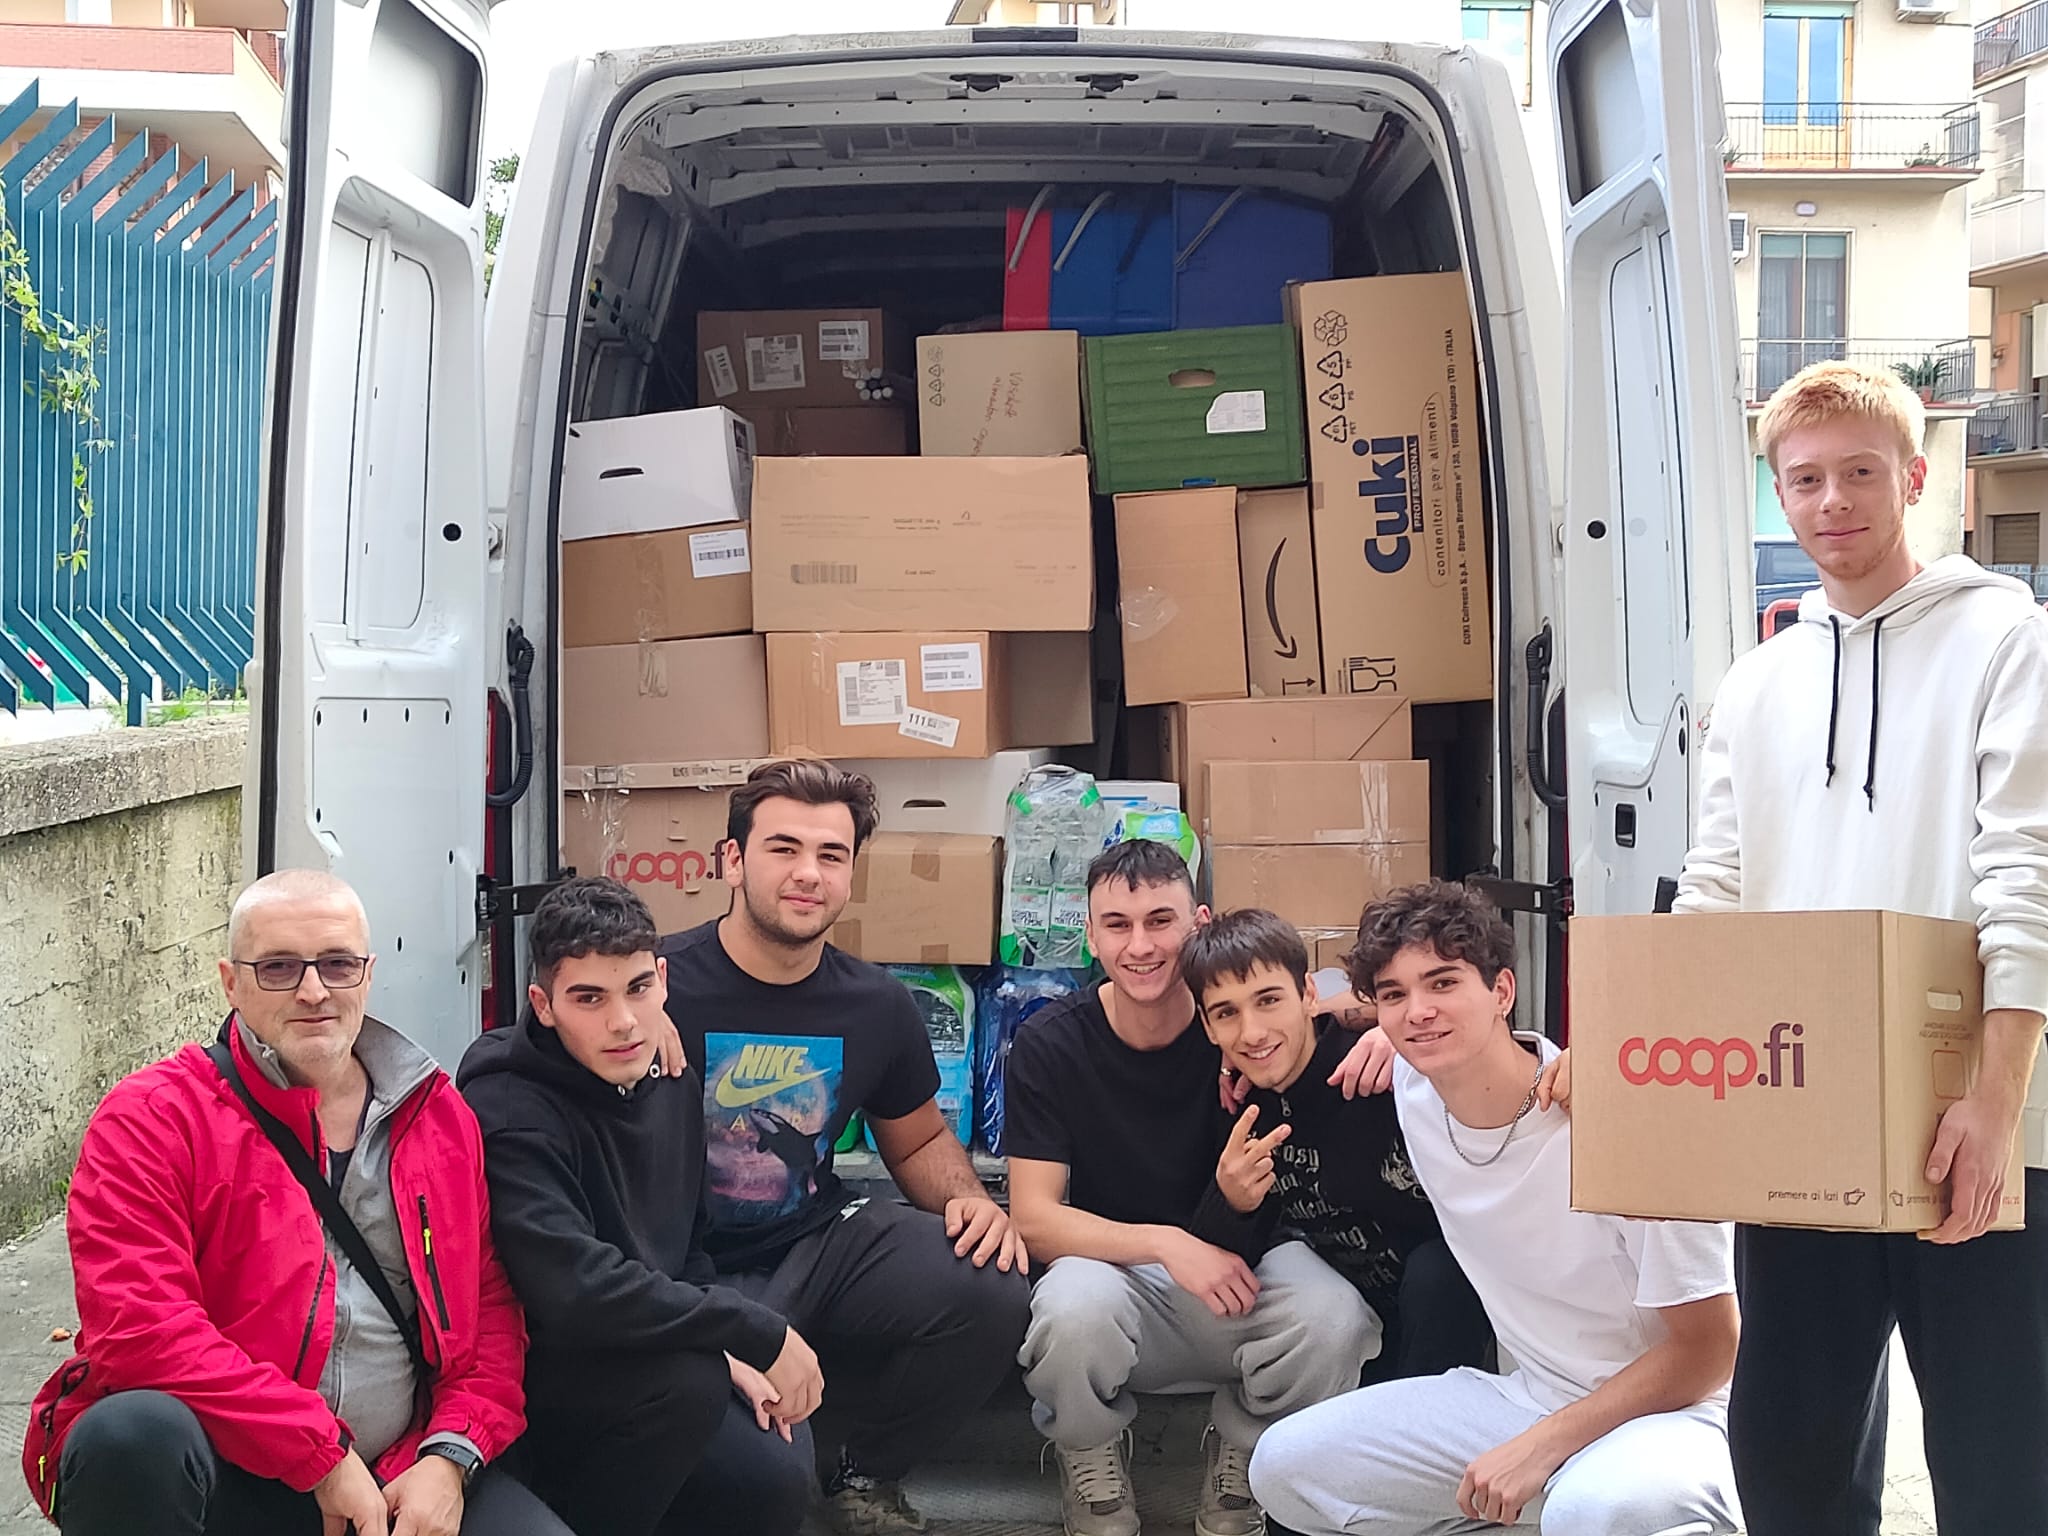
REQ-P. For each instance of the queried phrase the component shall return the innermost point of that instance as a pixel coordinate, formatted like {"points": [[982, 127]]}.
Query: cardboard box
{"points": [[642, 474], [1323, 886], [1277, 563], [1327, 947], [662, 844], [793, 357], [1311, 730], [1052, 689], [685, 584], [1340, 803], [1194, 408], [856, 694], [833, 432], [1396, 483], [1859, 1028], [674, 701], [999, 394], [970, 796], [1180, 608], [923, 898], [895, 544]]}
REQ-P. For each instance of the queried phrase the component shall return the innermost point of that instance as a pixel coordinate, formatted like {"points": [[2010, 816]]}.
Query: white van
{"points": [[409, 554]]}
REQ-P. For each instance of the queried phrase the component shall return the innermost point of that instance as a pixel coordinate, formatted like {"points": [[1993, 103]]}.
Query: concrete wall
{"points": [[120, 854], [1890, 61]]}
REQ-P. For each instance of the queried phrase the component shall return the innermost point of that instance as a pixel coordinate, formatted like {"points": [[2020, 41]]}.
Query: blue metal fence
{"points": [[128, 540]]}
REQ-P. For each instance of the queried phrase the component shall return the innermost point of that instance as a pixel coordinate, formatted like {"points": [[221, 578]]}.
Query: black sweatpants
{"points": [[138, 1464], [1433, 1324], [664, 1447], [912, 1339], [1806, 1421]]}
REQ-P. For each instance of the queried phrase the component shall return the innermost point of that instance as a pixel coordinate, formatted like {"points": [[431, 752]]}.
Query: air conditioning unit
{"points": [[1925, 10], [1738, 234]]}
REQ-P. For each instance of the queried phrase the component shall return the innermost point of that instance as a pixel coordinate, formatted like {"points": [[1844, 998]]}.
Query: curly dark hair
{"points": [[1443, 915], [810, 780], [1229, 945], [588, 915]]}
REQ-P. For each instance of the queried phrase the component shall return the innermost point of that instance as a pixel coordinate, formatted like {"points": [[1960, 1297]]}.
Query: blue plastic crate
{"points": [[1235, 273]]}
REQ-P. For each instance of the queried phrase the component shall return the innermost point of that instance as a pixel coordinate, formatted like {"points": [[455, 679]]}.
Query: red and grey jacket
{"points": [[202, 1271]]}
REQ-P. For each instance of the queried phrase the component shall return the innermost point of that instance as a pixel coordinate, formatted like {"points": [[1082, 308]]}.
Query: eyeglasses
{"points": [[284, 973]]}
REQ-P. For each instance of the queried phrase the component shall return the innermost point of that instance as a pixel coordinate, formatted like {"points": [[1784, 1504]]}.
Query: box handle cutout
{"points": [[621, 472], [1192, 378]]}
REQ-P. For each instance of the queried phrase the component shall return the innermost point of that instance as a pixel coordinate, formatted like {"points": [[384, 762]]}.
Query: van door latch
{"points": [[495, 902], [1552, 900]]}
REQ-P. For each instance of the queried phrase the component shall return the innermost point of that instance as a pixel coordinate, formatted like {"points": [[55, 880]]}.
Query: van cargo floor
{"points": [[988, 1482]]}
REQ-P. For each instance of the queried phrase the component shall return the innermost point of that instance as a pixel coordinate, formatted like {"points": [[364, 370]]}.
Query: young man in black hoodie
{"points": [[660, 1401], [1305, 1161]]}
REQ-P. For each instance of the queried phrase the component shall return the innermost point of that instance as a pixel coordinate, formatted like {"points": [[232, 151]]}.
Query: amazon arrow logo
{"points": [[1287, 648]]}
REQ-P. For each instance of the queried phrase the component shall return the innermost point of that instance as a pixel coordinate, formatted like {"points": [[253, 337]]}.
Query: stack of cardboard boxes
{"points": [[1297, 518]]}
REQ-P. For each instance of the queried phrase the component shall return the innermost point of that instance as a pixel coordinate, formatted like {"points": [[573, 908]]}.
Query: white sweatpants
{"points": [[1388, 1460]]}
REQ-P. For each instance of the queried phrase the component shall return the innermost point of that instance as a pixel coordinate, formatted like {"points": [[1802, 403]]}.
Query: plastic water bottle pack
{"points": [[1008, 996], [1054, 827]]}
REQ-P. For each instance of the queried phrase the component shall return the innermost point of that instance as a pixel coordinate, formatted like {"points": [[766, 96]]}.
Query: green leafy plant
{"points": [[1925, 374], [504, 171], [69, 386]]}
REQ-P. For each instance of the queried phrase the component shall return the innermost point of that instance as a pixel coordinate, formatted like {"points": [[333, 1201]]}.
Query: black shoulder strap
{"points": [[332, 1215]]}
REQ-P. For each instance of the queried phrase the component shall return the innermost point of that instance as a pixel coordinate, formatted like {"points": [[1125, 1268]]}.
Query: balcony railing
{"points": [[1944, 372], [2035, 576], [1853, 136], [2008, 41], [2009, 424]]}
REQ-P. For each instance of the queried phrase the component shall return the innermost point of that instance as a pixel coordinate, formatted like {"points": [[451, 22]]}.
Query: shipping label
{"points": [[775, 362], [873, 692], [952, 668], [723, 553]]}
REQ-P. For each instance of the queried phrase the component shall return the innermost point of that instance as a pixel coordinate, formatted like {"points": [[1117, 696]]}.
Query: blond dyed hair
{"points": [[1823, 392]]}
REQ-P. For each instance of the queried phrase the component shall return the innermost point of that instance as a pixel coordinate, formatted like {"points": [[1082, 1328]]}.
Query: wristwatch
{"points": [[461, 1455]]}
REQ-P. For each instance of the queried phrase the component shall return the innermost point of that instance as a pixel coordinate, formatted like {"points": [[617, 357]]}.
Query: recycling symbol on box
{"points": [[1332, 329]]}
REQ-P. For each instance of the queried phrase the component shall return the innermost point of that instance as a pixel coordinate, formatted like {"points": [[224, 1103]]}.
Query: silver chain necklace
{"points": [[1514, 1125]]}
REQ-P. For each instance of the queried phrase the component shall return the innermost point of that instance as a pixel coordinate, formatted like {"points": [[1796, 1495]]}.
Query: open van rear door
{"points": [[367, 750], [1657, 485]]}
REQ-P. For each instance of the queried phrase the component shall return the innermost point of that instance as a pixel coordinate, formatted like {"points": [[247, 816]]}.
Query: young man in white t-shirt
{"points": [[1621, 1333]]}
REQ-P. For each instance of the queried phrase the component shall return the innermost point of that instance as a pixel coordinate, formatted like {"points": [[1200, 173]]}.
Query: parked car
{"points": [[1784, 572]]}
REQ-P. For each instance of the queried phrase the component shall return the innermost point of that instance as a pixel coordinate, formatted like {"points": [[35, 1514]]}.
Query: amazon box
{"points": [[1277, 564], [1192, 736], [658, 831], [678, 701], [923, 898], [783, 358], [1781, 1068], [923, 543], [925, 694], [1314, 886], [682, 584], [1394, 436], [1179, 604], [999, 394]]}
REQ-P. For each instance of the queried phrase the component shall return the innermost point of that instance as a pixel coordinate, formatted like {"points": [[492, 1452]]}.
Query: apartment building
{"points": [[205, 75], [2008, 444]]}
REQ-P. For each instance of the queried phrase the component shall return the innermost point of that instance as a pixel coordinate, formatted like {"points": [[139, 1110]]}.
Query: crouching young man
{"points": [[1614, 1422], [1113, 1132], [1305, 1161], [661, 1401]]}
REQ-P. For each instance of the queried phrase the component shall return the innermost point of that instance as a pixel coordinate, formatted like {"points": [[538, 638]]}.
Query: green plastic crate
{"points": [[1169, 409]]}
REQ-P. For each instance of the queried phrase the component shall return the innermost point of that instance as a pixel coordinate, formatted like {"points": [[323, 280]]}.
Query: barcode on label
{"points": [[951, 668], [712, 556], [873, 692], [924, 725], [723, 553], [725, 381], [775, 362], [842, 341], [824, 573]]}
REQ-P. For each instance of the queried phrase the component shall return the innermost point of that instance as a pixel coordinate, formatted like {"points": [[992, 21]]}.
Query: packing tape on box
{"points": [[653, 670], [647, 600], [846, 935], [925, 864], [1146, 612]]}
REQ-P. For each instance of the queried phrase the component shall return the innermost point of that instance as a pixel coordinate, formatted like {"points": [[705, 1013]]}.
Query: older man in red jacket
{"points": [[291, 1316]]}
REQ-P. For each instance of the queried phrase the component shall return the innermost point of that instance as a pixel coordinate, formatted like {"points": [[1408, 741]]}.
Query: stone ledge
{"points": [[52, 783]]}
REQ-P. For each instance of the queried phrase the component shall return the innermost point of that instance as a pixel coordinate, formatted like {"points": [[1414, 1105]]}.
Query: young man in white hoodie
{"points": [[1891, 751]]}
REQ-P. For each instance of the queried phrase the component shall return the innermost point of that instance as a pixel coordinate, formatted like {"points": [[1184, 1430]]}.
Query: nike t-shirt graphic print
{"points": [[784, 1069]]}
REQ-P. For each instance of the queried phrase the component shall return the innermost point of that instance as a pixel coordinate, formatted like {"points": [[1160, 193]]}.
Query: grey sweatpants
{"points": [[1100, 1332], [1389, 1460]]}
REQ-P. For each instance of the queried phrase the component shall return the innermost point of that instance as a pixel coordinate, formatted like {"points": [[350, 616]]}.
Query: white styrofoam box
{"points": [[646, 474], [1140, 794], [965, 794]]}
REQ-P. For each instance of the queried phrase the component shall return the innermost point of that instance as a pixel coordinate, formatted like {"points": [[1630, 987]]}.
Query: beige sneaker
{"points": [[858, 1505], [1227, 1507], [1095, 1490]]}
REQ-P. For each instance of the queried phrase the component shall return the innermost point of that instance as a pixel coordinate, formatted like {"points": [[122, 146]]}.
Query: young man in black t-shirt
{"points": [[1113, 1131], [1305, 1161], [915, 1313]]}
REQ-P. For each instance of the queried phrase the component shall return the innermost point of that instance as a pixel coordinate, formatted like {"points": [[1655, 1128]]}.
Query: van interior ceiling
{"points": [[855, 192]]}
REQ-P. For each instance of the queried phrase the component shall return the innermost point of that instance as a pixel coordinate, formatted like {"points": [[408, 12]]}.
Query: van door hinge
{"points": [[495, 902], [1553, 900]]}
